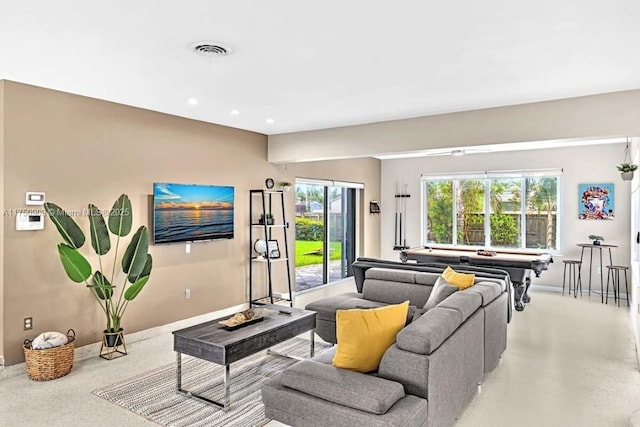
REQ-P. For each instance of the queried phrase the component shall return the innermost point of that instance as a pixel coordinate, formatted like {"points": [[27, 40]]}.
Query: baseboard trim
{"points": [[557, 289], [93, 349], [546, 288]]}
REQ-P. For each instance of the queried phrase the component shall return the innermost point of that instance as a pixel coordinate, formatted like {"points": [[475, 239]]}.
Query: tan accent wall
{"points": [[80, 150], [605, 115]]}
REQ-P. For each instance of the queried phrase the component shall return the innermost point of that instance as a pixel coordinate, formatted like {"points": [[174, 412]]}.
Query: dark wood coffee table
{"points": [[211, 341]]}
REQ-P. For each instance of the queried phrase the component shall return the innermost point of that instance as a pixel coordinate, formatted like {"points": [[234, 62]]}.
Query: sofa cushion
{"points": [[394, 286], [364, 335], [425, 278], [326, 307], [427, 333], [502, 284], [391, 275], [487, 290], [295, 408], [465, 302], [389, 292], [441, 291], [461, 280], [352, 389]]}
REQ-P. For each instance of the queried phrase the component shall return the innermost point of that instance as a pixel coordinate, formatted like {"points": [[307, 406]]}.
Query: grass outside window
{"points": [[309, 252]]}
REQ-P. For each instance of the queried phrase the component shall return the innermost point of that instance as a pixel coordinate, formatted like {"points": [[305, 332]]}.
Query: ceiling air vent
{"points": [[210, 49]]}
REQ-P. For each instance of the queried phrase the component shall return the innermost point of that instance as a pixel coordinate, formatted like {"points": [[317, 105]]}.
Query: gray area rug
{"points": [[153, 394]]}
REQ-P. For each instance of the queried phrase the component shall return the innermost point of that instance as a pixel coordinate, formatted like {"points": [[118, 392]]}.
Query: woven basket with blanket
{"points": [[49, 355]]}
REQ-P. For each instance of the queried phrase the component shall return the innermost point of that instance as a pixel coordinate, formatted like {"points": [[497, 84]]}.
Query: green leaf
{"points": [[100, 239], [135, 256], [67, 227], [120, 216], [104, 289], [145, 271], [76, 266], [135, 289]]}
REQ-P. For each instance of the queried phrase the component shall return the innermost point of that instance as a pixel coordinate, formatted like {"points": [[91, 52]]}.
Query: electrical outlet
{"points": [[187, 293], [28, 323]]}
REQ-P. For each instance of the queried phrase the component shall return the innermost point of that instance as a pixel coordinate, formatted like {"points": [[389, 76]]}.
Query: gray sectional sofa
{"points": [[425, 379]]}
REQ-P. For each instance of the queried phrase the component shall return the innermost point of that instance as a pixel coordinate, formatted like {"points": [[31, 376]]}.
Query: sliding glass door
{"points": [[341, 232], [309, 248], [325, 233]]}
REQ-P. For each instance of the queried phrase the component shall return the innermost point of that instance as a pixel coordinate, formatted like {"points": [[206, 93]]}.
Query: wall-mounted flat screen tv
{"points": [[189, 213]]}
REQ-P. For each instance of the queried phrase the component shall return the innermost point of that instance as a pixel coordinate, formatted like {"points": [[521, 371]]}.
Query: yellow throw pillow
{"points": [[364, 335], [461, 280]]}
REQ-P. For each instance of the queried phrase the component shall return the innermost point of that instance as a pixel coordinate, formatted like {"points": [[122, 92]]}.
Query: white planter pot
{"points": [[626, 176]]}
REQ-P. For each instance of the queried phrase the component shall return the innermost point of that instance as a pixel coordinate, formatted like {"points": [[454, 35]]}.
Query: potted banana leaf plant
{"points": [[134, 265]]}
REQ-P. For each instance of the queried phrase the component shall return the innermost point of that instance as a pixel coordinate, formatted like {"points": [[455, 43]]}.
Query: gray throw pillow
{"points": [[440, 292], [411, 312]]}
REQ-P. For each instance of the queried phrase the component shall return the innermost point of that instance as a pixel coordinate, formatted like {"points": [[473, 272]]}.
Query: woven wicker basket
{"points": [[50, 363]]}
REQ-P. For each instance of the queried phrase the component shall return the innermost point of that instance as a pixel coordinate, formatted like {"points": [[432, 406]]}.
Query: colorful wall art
{"points": [[596, 201]]}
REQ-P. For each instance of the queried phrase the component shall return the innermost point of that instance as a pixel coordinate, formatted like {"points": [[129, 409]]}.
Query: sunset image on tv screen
{"points": [[187, 212]]}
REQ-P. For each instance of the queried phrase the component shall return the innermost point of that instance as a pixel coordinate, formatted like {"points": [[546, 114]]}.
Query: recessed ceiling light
{"points": [[234, 112], [192, 101], [269, 121]]}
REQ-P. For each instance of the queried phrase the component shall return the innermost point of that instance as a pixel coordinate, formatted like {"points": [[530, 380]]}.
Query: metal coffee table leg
{"points": [[290, 356], [226, 399], [227, 386]]}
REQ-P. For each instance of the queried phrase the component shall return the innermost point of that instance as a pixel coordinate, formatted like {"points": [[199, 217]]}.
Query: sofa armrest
{"points": [[427, 333], [487, 290], [353, 389]]}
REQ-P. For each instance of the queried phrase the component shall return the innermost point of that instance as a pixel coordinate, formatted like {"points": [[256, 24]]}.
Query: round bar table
{"points": [[591, 247]]}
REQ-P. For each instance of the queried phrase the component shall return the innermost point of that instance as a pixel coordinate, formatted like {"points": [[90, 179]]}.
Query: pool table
{"points": [[519, 265]]}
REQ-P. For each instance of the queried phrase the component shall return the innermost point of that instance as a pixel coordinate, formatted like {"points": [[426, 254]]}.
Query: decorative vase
{"points": [[286, 188], [627, 176], [596, 242]]}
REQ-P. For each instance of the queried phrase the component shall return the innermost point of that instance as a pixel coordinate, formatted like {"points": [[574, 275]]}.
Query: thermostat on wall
{"points": [[29, 221], [34, 198]]}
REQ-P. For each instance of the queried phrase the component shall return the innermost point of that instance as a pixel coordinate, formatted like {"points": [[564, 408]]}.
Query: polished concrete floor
{"points": [[569, 362]]}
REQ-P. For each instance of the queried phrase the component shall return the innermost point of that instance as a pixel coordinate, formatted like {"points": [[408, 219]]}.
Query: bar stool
{"points": [[613, 271], [575, 279]]}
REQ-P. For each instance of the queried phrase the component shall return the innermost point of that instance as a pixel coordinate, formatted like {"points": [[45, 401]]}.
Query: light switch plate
{"points": [[34, 198]]}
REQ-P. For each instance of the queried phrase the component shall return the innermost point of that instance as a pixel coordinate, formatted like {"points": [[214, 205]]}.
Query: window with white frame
{"points": [[513, 210]]}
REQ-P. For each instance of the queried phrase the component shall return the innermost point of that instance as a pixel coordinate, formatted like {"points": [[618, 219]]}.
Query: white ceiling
{"points": [[312, 65]]}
